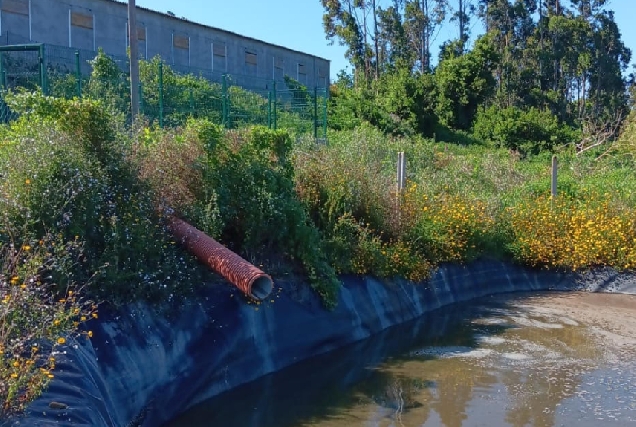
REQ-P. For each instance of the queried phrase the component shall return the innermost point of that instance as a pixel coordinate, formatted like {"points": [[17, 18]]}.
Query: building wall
{"points": [[89, 24]]}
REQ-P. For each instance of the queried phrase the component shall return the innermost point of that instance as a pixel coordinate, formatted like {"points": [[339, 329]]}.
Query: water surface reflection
{"points": [[496, 362]]}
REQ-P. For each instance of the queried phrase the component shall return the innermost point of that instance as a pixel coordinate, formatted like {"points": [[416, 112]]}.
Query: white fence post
{"points": [[554, 176], [401, 171]]}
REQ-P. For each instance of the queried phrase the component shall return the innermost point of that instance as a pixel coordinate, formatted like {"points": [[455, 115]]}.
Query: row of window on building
{"points": [[82, 34], [181, 53]]}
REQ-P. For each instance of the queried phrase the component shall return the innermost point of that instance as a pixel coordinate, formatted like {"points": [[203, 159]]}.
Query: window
{"points": [[180, 49], [219, 57], [17, 7], [142, 42], [301, 74], [251, 62], [15, 21], [322, 77], [278, 73], [181, 42], [141, 33], [81, 30], [82, 21]]}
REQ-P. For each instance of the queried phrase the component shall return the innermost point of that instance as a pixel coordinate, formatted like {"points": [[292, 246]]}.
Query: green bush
{"points": [[37, 313], [349, 176], [528, 132], [354, 248], [626, 147], [68, 174], [108, 83], [184, 96], [398, 103], [188, 96], [237, 186], [252, 176], [464, 81]]}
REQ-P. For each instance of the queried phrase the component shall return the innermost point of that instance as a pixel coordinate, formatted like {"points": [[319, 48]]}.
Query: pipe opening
{"points": [[261, 287]]}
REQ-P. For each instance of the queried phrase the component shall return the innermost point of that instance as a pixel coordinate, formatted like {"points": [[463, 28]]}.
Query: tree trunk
{"points": [[541, 44], [426, 43], [367, 62], [461, 20], [375, 40]]}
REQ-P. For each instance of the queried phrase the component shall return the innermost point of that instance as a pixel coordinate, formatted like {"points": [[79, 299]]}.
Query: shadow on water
{"points": [[493, 361], [327, 384]]}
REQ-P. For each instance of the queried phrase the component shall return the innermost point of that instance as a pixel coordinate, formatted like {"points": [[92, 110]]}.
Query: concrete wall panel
{"points": [[18, 21]]}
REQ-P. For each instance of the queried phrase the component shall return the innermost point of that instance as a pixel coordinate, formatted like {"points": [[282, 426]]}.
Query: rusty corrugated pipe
{"points": [[245, 276]]}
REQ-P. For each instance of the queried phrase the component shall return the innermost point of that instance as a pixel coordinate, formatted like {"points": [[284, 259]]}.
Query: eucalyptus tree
{"points": [[342, 22]]}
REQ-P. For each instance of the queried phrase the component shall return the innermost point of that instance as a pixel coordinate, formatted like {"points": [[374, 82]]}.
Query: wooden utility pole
{"points": [[134, 59]]}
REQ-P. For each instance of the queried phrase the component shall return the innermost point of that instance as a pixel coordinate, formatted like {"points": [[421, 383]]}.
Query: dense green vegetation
{"points": [[552, 68], [169, 98], [84, 196]]}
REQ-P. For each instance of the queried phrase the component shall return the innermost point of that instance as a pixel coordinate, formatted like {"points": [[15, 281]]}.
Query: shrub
{"points": [[37, 314], [347, 177], [626, 146], [171, 162], [356, 249], [238, 187], [349, 189], [108, 83], [464, 81], [267, 216], [398, 104], [68, 174], [446, 228], [566, 233], [528, 132]]}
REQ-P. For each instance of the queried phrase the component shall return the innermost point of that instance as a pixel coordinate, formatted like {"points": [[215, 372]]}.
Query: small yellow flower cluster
{"points": [[390, 259], [574, 234], [25, 366], [449, 226]]}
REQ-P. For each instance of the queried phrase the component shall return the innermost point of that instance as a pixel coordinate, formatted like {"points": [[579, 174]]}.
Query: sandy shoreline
{"points": [[610, 317]]}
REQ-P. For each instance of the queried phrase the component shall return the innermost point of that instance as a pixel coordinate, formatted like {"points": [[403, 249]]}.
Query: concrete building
{"points": [[186, 45]]}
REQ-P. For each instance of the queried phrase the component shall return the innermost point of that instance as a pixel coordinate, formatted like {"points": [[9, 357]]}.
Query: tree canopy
{"points": [[562, 57]]}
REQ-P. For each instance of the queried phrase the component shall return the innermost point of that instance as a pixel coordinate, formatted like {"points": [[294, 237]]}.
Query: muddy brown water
{"points": [[515, 360]]}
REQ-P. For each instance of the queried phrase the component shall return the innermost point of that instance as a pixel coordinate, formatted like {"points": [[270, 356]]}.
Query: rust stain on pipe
{"points": [[245, 276]]}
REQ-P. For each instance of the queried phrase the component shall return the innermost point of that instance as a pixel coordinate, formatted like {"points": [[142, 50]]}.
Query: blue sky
{"points": [[297, 24]]}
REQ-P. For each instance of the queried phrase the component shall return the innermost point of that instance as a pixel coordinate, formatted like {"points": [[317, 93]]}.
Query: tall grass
{"points": [[468, 201]]}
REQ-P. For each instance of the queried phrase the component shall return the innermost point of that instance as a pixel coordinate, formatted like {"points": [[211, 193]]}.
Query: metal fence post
{"points": [[324, 119], [225, 118], [553, 186], [43, 71], [3, 86], [191, 102], [401, 171], [269, 109], [78, 73], [274, 106], [141, 99], [315, 112], [161, 94]]}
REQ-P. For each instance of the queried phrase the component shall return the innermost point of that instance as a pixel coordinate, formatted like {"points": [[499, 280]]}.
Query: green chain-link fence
{"points": [[168, 95], [20, 67]]}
